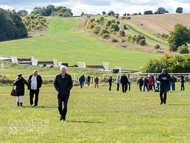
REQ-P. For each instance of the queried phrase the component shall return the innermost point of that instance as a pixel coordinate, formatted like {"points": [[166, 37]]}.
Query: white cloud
{"points": [[124, 6], [6, 7]]}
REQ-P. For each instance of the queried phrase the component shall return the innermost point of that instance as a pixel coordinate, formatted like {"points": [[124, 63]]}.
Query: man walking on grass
{"points": [[34, 85], [124, 81], [164, 79], [63, 84], [182, 80]]}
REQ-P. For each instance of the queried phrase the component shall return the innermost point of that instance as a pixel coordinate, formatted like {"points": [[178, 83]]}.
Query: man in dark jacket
{"points": [[81, 80], [140, 83], [164, 79], [34, 85], [110, 82], [88, 79], [19, 82], [124, 81], [182, 82], [173, 80], [63, 84], [145, 82]]}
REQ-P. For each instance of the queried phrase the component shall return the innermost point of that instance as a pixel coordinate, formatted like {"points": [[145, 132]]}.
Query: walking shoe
{"points": [[18, 104], [160, 103], [63, 120]]}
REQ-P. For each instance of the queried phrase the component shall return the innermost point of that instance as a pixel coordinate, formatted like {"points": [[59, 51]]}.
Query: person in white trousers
{"points": [[20, 82]]}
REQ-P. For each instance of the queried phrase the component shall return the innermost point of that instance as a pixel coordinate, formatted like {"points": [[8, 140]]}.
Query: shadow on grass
{"points": [[37, 107], [89, 122]]}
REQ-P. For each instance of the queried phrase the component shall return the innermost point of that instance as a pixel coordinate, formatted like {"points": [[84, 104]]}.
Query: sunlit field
{"points": [[97, 115]]}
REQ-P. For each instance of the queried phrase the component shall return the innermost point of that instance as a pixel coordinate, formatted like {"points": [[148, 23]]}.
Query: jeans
{"points": [[32, 92], [163, 90], [62, 111], [182, 86], [129, 86], [124, 87], [145, 86], [110, 84], [117, 87], [173, 86]]}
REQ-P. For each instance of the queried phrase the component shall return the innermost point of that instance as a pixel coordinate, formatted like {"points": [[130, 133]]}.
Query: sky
{"points": [[97, 6]]}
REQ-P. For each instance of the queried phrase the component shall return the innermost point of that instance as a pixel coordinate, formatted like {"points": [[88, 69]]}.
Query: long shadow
{"points": [[37, 107], [89, 122]]}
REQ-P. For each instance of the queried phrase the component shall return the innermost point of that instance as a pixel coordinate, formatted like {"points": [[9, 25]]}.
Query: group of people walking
{"points": [[63, 84]]}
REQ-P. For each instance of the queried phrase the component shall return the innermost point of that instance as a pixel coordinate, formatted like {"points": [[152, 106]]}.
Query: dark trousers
{"points": [[150, 87], [124, 87], [163, 91], [153, 85], [110, 84], [140, 87], [182, 86], [62, 111], [117, 87], [32, 92], [145, 86]]}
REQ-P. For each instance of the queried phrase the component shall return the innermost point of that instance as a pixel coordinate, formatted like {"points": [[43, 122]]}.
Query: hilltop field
{"points": [[160, 23]]}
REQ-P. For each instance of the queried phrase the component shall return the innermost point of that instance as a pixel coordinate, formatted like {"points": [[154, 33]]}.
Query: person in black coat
{"points": [[140, 83], [110, 82], [63, 84], [20, 82], [182, 80], [164, 79], [124, 81], [34, 84], [145, 82]]}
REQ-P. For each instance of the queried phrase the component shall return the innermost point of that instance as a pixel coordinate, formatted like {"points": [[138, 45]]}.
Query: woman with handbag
{"points": [[19, 82]]}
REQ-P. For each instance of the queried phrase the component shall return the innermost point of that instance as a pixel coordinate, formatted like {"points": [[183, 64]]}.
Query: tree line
{"points": [[11, 25]]}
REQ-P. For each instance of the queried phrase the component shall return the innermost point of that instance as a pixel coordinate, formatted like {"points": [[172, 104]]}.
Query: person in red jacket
{"points": [[150, 82], [96, 81]]}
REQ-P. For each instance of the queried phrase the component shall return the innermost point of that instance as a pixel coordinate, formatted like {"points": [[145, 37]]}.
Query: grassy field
{"points": [[146, 33], [72, 47], [97, 115]]}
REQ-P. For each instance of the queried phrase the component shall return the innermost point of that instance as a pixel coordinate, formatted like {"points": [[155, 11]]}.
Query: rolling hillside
{"points": [[160, 23], [73, 46]]}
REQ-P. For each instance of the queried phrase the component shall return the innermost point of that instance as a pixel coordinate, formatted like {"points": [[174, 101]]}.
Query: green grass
{"points": [[146, 33], [60, 25], [72, 47], [97, 115]]}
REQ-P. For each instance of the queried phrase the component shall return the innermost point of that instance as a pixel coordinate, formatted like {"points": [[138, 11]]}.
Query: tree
{"points": [[22, 13], [179, 10], [140, 13], [161, 10], [114, 26], [103, 13], [82, 13], [183, 49], [124, 14], [179, 36], [148, 12], [111, 13]]}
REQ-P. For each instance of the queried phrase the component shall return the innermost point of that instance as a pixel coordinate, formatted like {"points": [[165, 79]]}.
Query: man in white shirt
{"points": [[34, 84]]}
